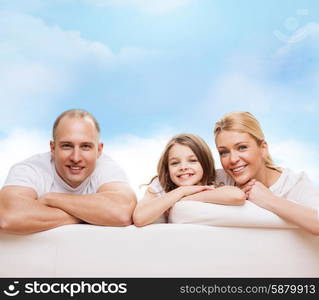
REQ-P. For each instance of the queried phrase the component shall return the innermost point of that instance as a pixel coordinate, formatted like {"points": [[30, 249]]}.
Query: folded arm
{"points": [[22, 213], [302, 216], [226, 195], [112, 205], [153, 205]]}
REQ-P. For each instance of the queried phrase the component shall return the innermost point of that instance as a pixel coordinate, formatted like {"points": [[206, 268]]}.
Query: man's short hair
{"points": [[75, 113]]}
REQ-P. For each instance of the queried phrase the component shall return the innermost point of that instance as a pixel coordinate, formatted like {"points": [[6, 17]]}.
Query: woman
{"points": [[245, 159], [186, 171]]}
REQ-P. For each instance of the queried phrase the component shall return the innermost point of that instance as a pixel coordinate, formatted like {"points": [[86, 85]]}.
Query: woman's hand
{"points": [[258, 193]]}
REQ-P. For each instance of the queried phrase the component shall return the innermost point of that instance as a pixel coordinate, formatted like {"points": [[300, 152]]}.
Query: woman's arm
{"points": [[302, 216], [152, 206], [226, 195]]}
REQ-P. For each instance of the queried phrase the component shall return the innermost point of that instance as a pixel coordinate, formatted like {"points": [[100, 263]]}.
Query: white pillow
{"points": [[247, 215]]}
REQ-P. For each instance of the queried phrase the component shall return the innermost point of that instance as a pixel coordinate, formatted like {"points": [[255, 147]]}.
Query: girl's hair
{"points": [[244, 122], [200, 149]]}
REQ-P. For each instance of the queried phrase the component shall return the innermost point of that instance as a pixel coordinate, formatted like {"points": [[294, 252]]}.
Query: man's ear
{"points": [[100, 149], [52, 147]]}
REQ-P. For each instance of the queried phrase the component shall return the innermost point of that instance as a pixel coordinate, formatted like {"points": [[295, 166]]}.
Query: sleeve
{"points": [[222, 178], [304, 192], [24, 175], [107, 170], [156, 186]]}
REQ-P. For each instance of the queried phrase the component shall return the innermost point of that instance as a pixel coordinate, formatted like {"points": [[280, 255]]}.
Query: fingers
{"points": [[248, 186]]}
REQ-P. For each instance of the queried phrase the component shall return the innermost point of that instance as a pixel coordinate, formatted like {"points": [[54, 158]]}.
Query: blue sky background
{"points": [[151, 69]]}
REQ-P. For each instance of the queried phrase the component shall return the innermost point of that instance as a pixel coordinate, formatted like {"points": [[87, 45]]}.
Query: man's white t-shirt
{"points": [[38, 172]]}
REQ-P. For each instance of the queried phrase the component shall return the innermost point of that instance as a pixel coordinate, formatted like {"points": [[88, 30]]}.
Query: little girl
{"points": [[185, 171]]}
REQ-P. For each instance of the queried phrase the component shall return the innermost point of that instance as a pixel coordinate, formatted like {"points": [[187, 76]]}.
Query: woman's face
{"points": [[241, 157], [183, 166]]}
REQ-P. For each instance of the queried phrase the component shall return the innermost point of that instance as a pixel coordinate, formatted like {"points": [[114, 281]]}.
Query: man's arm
{"points": [[112, 205], [22, 213]]}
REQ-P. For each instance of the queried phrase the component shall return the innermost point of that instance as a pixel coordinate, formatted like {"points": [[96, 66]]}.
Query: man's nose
{"points": [[76, 155]]}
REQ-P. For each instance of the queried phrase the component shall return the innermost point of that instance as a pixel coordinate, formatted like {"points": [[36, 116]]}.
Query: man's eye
{"points": [[86, 147], [66, 146]]}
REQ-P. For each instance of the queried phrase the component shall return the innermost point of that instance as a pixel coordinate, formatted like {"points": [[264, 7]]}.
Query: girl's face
{"points": [[241, 157], [183, 165]]}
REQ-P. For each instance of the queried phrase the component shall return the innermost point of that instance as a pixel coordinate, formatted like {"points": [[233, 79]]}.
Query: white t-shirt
{"points": [[38, 172], [157, 188], [296, 187]]}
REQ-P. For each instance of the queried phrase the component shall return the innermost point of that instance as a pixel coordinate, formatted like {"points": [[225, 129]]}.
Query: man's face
{"points": [[75, 149]]}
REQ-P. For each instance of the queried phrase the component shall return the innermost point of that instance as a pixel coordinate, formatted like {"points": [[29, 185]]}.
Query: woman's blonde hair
{"points": [[200, 149], [244, 122]]}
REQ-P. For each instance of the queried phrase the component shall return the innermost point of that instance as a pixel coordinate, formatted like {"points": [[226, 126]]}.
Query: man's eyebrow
{"points": [[65, 142]]}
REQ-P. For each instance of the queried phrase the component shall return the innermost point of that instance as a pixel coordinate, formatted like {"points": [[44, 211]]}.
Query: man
{"points": [[75, 183]]}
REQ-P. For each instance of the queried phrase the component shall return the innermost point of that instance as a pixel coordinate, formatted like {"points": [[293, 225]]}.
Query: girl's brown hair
{"points": [[244, 122], [200, 149]]}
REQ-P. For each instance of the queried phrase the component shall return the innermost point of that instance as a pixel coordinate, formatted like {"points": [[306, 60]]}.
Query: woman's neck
{"points": [[269, 176]]}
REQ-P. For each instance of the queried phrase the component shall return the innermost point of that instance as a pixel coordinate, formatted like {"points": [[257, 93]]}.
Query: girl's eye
{"points": [[174, 163], [194, 160]]}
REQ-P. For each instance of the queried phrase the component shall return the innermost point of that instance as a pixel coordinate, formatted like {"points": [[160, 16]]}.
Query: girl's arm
{"points": [[226, 195], [302, 216], [152, 205]]}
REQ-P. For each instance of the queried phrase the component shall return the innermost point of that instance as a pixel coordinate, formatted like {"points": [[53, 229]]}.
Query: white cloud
{"points": [[285, 82], [147, 6], [236, 91], [19, 145], [303, 34], [297, 156], [42, 62]]}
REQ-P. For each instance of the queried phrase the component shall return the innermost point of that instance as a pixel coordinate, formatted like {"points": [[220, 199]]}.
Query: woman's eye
{"points": [[193, 160], [242, 147], [222, 153]]}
